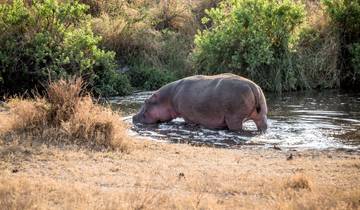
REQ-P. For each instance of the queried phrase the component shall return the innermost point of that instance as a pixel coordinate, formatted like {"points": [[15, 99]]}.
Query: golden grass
{"points": [[175, 15], [63, 117], [298, 181], [144, 28], [64, 98], [164, 176], [127, 35], [316, 16]]}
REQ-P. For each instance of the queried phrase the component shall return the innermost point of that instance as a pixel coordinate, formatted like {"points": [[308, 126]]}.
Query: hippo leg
{"points": [[235, 122], [189, 122]]}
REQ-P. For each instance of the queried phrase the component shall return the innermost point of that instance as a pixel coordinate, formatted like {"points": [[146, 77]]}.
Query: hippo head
{"points": [[261, 121], [153, 111], [262, 124]]}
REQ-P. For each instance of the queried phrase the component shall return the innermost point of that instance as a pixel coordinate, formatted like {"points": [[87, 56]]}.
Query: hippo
{"points": [[223, 101]]}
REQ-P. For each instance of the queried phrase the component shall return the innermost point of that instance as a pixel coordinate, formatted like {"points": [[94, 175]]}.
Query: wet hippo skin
{"points": [[217, 102]]}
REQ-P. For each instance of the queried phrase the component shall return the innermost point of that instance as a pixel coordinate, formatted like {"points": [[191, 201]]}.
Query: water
{"points": [[301, 120]]}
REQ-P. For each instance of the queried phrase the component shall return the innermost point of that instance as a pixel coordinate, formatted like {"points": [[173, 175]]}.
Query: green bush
{"points": [[173, 56], [345, 18], [149, 78], [345, 15], [355, 59], [252, 38], [52, 40]]}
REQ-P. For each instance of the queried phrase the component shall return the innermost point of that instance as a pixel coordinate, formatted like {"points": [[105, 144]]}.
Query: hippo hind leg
{"points": [[235, 122]]}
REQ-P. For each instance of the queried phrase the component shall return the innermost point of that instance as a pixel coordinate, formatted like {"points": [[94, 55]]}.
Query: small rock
{"points": [[15, 170], [181, 175], [290, 157], [220, 201], [276, 147], [114, 169]]}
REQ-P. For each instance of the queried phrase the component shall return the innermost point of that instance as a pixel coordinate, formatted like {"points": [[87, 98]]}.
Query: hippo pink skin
{"points": [[216, 102]]}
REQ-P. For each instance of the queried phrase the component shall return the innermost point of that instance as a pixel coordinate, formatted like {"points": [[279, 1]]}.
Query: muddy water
{"points": [[301, 120]]}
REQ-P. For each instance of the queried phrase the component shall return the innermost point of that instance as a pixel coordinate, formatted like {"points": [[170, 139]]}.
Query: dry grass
{"points": [[148, 35], [298, 181], [63, 117], [153, 175], [317, 50], [163, 176], [64, 98], [135, 27], [175, 15]]}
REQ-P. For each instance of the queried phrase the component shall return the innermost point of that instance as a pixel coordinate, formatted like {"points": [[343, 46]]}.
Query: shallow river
{"points": [[301, 120]]}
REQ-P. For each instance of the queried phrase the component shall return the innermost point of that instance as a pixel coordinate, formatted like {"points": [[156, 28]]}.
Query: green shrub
{"points": [[52, 40], [251, 38], [345, 18], [173, 56], [345, 14], [149, 78], [355, 59]]}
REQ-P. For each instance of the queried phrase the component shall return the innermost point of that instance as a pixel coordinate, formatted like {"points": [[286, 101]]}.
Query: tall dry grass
{"points": [[65, 116], [133, 28], [316, 54], [152, 36]]}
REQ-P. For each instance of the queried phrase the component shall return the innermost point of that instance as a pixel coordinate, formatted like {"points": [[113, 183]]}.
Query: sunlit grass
{"points": [[65, 116]]}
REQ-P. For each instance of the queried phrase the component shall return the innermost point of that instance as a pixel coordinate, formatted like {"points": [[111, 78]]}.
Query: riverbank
{"points": [[154, 175]]}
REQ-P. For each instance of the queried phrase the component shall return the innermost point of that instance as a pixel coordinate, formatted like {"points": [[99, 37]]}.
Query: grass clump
{"points": [[298, 182], [65, 116]]}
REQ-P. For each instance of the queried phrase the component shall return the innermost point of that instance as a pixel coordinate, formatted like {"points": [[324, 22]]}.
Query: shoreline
{"points": [[345, 148]]}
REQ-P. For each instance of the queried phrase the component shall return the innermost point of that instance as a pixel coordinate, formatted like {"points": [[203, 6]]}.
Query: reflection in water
{"points": [[296, 120]]}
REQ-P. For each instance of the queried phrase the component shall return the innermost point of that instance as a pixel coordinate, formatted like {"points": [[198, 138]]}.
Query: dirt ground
{"points": [[155, 175]]}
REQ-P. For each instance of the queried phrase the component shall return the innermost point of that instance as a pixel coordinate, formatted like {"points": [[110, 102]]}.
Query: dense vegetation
{"points": [[251, 38], [345, 19], [50, 40], [117, 46]]}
